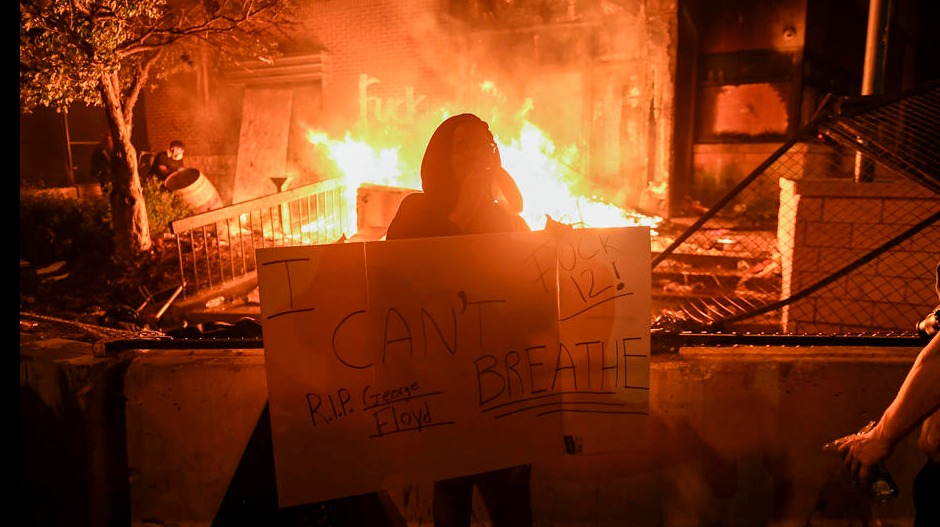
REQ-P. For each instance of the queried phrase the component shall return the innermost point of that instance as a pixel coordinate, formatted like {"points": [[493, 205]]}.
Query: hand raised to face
{"points": [[473, 151], [478, 171], [474, 161]]}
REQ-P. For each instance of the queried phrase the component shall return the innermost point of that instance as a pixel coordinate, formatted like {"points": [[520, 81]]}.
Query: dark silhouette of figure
{"points": [[465, 188], [168, 161], [101, 163], [466, 191]]}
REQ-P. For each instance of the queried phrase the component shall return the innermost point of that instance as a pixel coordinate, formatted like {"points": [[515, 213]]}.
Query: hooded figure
{"points": [[467, 191], [465, 188]]}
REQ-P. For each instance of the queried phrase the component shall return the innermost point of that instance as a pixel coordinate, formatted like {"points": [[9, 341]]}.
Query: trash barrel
{"points": [[194, 189]]}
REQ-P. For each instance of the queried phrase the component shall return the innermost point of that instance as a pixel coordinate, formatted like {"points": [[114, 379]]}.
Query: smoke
{"points": [[556, 64]]}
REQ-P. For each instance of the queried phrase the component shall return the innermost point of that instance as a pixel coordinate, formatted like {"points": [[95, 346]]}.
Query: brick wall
{"points": [[829, 224], [206, 117], [396, 43]]}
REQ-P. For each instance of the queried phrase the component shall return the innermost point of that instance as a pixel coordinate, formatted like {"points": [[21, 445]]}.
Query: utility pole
{"points": [[876, 43]]}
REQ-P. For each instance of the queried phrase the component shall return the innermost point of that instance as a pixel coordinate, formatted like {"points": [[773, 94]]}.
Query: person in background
{"points": [[465, 190], [916, 403], [101, 163], [168, 161]]}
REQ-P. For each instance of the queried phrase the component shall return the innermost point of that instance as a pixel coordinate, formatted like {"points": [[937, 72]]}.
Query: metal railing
{"points": [[217, 248]]}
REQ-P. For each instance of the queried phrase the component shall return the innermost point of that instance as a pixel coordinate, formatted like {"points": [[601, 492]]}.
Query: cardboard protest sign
{"points": [[603, 316], [398, 361]]}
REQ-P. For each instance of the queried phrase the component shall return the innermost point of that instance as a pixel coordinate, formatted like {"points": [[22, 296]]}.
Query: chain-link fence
{"points": [[837, 232]]}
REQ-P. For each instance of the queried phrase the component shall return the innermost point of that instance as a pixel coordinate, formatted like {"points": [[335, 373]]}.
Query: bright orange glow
{"points": [[545, 173], [546, 176], [750, 109], [359, 162]]}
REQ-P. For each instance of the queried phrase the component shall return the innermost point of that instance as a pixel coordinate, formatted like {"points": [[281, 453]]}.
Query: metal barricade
{"points": [[217, 248]]}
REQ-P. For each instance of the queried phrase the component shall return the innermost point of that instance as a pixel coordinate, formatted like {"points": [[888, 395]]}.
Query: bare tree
{"points": [[104, 52]]}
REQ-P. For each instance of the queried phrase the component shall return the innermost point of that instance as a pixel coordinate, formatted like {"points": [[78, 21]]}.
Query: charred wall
{"points": [[761, 69]]}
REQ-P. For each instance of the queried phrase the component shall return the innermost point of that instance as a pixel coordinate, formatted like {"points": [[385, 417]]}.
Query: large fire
{"points": [[546, 175]]}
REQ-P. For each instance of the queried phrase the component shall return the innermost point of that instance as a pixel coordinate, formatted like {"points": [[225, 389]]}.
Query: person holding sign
{"points": [[465, 190]]}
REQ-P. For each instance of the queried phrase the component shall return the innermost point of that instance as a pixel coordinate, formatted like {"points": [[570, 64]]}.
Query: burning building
{"points": [[578, 94], [644, 105], [608, 113]]}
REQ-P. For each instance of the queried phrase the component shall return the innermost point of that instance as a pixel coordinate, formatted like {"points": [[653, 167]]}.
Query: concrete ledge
{"points": [[734, 437], [848, 188], [827, 354]]}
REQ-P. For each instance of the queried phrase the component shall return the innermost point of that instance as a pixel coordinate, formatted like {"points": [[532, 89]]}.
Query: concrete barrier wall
{"points": [[72, 456], [734, 437]]}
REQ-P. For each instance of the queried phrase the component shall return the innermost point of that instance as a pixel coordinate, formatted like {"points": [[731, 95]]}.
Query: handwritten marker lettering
{"points": [[588, 366], [372, 397], [399, 341], [285, 264], [402, 418], [336, 407]]}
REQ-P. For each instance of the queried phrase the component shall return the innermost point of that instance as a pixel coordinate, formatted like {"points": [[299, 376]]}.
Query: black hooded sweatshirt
{"points": [[425, 214]]}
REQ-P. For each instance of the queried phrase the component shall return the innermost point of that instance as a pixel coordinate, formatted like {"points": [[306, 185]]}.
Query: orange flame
{"points": [[546, 176]]}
